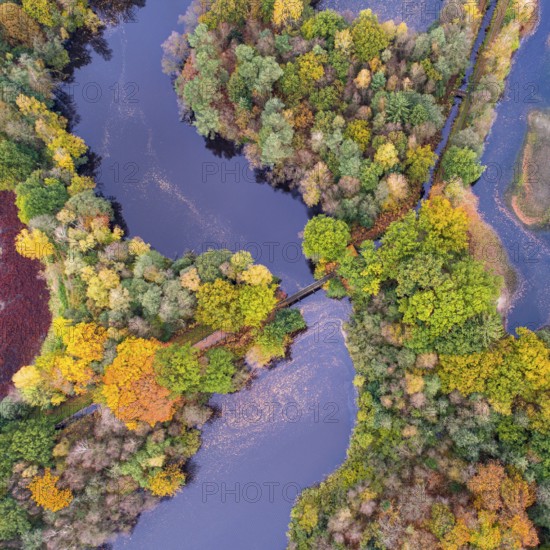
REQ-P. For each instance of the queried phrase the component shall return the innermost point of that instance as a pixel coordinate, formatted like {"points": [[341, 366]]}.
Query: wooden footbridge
{"points": [[306, 291]]}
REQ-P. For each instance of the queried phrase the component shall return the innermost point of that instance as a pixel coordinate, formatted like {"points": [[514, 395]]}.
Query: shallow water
{"points": [[528, 88]]}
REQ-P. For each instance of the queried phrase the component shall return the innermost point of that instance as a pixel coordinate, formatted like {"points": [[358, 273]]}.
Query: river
{"points": [[527, 88], [292, 427]]}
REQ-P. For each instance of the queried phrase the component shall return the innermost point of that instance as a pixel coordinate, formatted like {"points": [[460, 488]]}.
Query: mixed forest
{"points": [[451, 447]]}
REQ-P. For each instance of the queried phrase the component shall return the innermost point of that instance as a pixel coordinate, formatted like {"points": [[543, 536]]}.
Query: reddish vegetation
{"points": [[360, 234], [24, 314]]}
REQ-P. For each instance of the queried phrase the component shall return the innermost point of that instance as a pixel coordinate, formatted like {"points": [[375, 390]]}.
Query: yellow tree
{"points": [[45, 493], [166, 482], [33, 244], [286, 11]]}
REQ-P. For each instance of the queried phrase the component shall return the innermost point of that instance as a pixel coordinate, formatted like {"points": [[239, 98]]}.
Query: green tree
{"points": [[324, 24], [44, 11], [398, 107], [13, 519], [178, 368], [218, 306], [276, 133], [29, 440], [256, 303], [17, 162], [463, 163], [35, 198], [325, 238], [219, 371], [257, 72], [369, 38], [208, 264], [204, 90]]}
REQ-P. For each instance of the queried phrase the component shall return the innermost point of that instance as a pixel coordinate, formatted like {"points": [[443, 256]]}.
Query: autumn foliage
{"points": [[166, 482], [500, 500], [130, 388], [45, 492]]}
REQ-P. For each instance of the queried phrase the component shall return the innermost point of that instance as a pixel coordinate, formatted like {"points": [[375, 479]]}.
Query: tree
{"points": [[167, 481], [419, 162], [256, 303], [256, 275], [257, 72], [84, 340], [35, 198], [397, 107], [276, 133], [130, 387], [325, 238], [229, 11], [514, 371], [17, 26], [219, 371], [359, 132], [363, 79], [462, 163], [45, 493], [287, 11], [33, 244], [44, 11], [218, 306], [324, 24], [17, 161], [27, 440], [386, 155], [369, 39], [178, 368], [201, 92], [13, 519], [208, 264]]}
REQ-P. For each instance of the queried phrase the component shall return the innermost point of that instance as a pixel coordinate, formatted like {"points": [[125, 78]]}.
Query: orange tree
{"points": [[130, 387]]}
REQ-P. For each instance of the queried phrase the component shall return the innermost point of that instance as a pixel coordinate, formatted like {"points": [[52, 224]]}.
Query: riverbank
{"points": [[529, 195], [24, 313]]}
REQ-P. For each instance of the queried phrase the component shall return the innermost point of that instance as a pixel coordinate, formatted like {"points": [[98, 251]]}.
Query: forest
{"points": [[450, 448], [122, 346], [348, 112]]}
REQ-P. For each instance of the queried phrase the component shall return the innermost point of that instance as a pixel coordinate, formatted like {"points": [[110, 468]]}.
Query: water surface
{"points": [[292, 427], [527, 88]]}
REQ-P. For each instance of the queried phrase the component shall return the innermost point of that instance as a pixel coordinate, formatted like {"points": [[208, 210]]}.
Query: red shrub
{"points": [[24, 314]]}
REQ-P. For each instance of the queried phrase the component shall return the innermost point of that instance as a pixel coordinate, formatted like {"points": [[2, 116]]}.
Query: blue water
{"points": [[292, 427], [528, 88]]}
